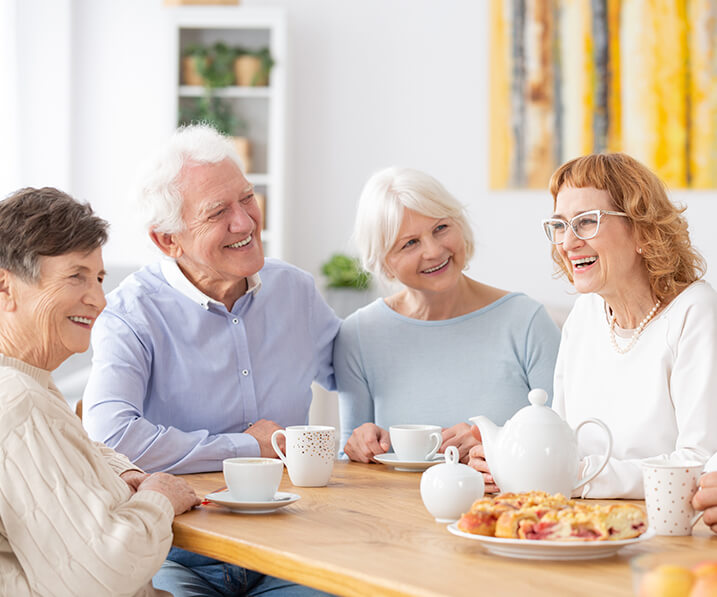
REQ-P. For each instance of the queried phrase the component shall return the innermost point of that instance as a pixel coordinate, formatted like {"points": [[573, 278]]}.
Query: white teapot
{"points": [[536, 450]]}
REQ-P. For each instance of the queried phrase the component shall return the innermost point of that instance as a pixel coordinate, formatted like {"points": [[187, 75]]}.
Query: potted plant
{"points": [[348, 285], [217, 69], [211, 66], [192, 56], [252, 67]]}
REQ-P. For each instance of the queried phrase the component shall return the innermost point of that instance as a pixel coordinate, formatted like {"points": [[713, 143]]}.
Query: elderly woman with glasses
{"points": [[76, 518], [444, 347], [639, 348]]}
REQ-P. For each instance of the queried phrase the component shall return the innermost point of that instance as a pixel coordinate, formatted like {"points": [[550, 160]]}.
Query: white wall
{"points": [[371, 83], [41, 92]]}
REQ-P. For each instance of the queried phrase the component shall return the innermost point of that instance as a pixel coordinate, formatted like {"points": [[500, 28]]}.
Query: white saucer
{"points": [[224, 498], [413, 466]]}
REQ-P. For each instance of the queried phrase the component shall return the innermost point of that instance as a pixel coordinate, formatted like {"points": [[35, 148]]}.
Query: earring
{"points": [[639, 250]]}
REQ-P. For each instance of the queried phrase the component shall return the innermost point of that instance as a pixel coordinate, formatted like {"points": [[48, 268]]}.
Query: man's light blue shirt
{"points": [[176, 378]]}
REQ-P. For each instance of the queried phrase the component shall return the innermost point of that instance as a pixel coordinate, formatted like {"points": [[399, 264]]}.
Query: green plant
{"points": [[265, 59], [343, 271], [217, 65], [197, 55], [196, 50]]}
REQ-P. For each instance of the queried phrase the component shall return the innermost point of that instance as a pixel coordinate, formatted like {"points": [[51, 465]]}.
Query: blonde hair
{"points": [[380, 212], [661, 230]]}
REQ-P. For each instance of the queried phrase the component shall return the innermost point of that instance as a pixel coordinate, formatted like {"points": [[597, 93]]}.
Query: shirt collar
{"points": [[177, 280]]}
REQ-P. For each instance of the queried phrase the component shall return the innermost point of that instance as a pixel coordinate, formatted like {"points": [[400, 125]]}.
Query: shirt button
{"points": [[245, 372], [235, 320]]}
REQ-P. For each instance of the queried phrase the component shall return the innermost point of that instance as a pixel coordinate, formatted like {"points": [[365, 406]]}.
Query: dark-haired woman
{"points": [[76, 518]]}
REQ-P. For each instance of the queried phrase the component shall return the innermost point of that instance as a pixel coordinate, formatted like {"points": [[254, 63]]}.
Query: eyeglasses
{"points": [[585, 225]]}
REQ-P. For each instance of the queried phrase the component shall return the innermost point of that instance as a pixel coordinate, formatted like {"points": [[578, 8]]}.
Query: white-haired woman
{"points": [[443, 348]]}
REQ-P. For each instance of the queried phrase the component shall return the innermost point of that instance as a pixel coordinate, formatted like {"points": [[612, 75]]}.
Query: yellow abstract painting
{"points": [[571, 77]]}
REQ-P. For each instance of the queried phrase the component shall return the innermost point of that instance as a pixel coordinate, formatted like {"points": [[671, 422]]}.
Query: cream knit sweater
{"points": [[68, 524]]}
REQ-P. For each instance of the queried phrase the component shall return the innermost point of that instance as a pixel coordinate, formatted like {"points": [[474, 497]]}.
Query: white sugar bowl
{"points": [[448, 490]]}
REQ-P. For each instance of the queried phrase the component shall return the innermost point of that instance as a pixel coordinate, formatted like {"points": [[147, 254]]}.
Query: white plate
{"points": [[224, 498], [390, 459], [550, 550]]}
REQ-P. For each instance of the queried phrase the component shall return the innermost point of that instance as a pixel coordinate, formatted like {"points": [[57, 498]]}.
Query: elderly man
{"points": [[204, 355]]}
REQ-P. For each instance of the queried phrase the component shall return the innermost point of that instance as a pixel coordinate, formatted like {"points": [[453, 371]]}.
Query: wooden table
{"points": [[368, 533]]}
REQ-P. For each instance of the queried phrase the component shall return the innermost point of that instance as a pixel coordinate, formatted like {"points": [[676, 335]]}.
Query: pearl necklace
{"points": [[637, 332]]}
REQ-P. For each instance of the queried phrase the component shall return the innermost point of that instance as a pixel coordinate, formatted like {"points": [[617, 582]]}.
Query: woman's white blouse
{"points": [[659, 399]]}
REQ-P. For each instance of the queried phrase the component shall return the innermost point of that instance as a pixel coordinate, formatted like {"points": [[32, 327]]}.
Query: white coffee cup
{"points": [[309, 454], [415, 443], [251, 479], [669, 488]]}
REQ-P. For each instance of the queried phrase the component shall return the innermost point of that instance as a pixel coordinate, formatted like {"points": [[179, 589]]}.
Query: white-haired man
{"points": [[202, 356]]}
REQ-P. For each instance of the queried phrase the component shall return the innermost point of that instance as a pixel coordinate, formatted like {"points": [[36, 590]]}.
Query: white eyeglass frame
{"points": [[570, 223]]}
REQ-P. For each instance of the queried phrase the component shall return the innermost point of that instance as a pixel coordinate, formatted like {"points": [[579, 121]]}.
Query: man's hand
{"points": [[706, 499], [476, 460], [461, 437], [175, 489], [366, 441], [134, 479], [261, 431]]}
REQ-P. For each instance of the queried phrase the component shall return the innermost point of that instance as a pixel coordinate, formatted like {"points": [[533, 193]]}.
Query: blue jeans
{"points": [[187, 574]]}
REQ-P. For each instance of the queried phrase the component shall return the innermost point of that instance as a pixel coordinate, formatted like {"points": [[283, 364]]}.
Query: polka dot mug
{"points": [[309, 457], [669, 488]]}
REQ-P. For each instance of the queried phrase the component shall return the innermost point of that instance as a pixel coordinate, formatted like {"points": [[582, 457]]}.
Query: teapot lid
{"points": [[538, 397], [537, 412]]}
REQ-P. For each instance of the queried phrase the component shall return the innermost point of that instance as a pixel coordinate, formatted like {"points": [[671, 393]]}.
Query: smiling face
{"points": [[607, 263], [221, 242], [57, 312], [429, 253]]}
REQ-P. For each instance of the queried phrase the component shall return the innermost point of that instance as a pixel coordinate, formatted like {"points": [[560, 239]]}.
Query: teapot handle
{"points": [[608, 451]]}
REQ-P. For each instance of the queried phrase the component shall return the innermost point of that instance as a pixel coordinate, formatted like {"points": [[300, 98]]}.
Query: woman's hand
{"points": [[176, 490], [461, 437], [477, 461], [134, 479], [366, 441], [706, 499]]}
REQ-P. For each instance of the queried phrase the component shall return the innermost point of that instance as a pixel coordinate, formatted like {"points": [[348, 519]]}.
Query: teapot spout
{"points": [[488, 431]]}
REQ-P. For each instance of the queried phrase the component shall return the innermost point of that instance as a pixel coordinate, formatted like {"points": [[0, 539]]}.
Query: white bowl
{"points": [[448, 490]]}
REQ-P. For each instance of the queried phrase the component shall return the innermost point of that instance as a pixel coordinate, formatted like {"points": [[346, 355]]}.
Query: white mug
{"points": [[669, 488], [309, 454], [252, 479], [415, 442]]}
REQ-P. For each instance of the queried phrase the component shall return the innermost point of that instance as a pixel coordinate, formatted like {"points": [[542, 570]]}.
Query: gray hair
{"points": [[380, 212], [45, 222], [159, 192]]}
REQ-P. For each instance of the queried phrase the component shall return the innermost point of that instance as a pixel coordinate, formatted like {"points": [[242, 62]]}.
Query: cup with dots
{"points": [[669, 487], [309, 456]]}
